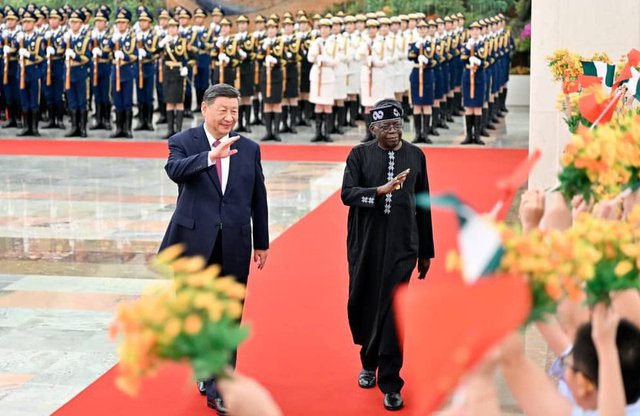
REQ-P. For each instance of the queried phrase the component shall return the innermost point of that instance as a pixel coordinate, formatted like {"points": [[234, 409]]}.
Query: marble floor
{"points": [[75, 237]]}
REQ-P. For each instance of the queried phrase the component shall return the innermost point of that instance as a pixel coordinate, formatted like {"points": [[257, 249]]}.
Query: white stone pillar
{"points": [[581, 26]]}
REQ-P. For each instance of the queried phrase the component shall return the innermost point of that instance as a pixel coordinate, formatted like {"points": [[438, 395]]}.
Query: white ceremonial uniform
{"points": [[390, 72], [373, 78], [400, 63], [337, 47], [408, 37], [322, 76], [354, 66]]}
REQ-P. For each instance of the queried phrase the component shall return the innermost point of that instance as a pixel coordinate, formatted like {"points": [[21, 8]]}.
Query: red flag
{"points": [[633, 59], [509, 185], [570, 86], [448, 326], [595, 104], [588, 80]]}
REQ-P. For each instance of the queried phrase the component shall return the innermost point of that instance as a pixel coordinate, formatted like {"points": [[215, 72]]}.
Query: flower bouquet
{"points": [[192, 318]]}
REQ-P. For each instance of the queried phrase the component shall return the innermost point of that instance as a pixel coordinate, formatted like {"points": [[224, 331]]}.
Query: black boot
{"points": [[329, 120], [199, 98], [469, 119], [247, 118], [426, 119], [170, 124], [293, 116], [284, 128], [256, 112], [449, 107], [106, 116], [26, 124], [149, 117], [75, 130], [484, 121], [335, 126], [240, 128], [367, 134], [406, 108], [434, 121], [503, 101], [417, 125], [142, 116], [318, 137], [353, 113], [59, 115], [12, 120], [477, 128], [342, 118], [457, 96], [303, 111], [277, 118], [99, 124], [53, 117], [492, 113], [268, 124], [178, 120], [128, 120], [35, 119], [82, 123], [162, 107], [119, 126]]}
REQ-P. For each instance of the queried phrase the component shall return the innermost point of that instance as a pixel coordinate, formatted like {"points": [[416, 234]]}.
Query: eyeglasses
{"points": [[390, 126]]}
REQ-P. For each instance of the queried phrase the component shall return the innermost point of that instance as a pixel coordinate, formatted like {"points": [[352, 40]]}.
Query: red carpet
{"points": [[300, 346]]}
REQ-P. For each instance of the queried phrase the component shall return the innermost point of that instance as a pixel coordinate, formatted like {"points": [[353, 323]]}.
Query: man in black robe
{"points": [[387, 235]]}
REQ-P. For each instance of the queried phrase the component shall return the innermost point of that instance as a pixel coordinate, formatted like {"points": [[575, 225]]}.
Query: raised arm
{"points": [[180, 167]]}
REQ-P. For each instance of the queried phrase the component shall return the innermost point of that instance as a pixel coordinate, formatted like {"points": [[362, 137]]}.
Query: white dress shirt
{"points": [[223, 161]]}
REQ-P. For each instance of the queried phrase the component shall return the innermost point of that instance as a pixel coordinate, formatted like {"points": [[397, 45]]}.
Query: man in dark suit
{"points": [[221, 193]]}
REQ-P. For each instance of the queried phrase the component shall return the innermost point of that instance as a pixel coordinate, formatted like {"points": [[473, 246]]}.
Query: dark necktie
{"points": [[218, 164]]}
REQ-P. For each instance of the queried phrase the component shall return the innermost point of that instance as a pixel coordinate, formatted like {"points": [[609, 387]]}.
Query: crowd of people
{"points": [[291, 70]]}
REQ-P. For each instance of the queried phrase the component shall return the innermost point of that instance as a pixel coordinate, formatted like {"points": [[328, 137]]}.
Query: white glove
{"points": [[370, 60], [6, 50], [5, 33], [116, 36], [47, 35], [319, 59], [19, 36], [50, 51], [67, 37], [470, 43], [242, 53], [69, 53], [24, 53], [118, 55], [270, 60], [142, 53], [423, 60], [475, 61], [184, 71], [223, 58], [163, 42], [139, 36], [289, 55], [96, 52]]}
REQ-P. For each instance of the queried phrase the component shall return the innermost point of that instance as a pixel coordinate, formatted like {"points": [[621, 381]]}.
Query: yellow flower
{"points": [[193, 324], [234, 309], [222, 284], [189, 264], [172, 328], [203, 300], [623, 268], [214, 311]]}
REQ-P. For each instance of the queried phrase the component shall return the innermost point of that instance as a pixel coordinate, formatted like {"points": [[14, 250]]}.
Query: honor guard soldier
{"points": [[486, 41], [147, 49], [322, 79], [473, 84], [40, 27], [438, 83], [175, 57], [31, 55], [186, 31], [270, 55], [259, 34], [291, 76], [11, 75], [421, 54], [123, 45], [161, 31], [445, 59], [101, 78], [354, 67], [306, 36], [245, 73], [202, 46], [464, 36], [54, 77], [216, 18], [373, 78], [509, 47], [338, 50], [225, 55], [456, 46], [77, 57], [388, 56]]}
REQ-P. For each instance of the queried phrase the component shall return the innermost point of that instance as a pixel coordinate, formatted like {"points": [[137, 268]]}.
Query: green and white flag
{"points": [[633, 84], [606, 72], [479, 241]]}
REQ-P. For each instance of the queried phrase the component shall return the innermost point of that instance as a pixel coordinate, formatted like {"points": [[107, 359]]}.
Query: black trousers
{"points": [[383, 353]]}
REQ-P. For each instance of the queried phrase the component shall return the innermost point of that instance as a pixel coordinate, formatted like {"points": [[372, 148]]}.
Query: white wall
{"points": [[582, 26]]}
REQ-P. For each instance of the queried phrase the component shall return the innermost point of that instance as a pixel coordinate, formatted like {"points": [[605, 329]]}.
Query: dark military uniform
{"points": [[147, 44], [54, 73], [31, 55], [124, 46], [101, 81], [11, 74]]}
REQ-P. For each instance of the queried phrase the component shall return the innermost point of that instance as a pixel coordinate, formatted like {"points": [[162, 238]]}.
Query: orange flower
{"points": [[193, 324], [553, 290]]}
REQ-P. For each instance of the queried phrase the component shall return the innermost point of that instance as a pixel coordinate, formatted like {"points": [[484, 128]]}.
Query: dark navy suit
{"points": [[203, 211]]}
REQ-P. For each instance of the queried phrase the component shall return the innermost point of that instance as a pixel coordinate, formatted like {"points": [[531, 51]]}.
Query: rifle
{"points": [[319, 68], [420, 74], [268, 70], [5, 76], [117, 48], [140, 74], [22, 68], [48, 64], [472, 74], [95, 65], [67, 64], [370, 64]]}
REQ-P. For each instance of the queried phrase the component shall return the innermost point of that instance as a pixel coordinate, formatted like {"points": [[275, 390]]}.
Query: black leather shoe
{"points": [[393, 401], [367, 379], [218, 405], [201, 388]]}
